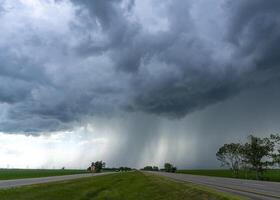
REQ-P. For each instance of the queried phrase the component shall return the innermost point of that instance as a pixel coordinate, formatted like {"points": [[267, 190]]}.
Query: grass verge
{"points": [[120, 186], [269, 175]]}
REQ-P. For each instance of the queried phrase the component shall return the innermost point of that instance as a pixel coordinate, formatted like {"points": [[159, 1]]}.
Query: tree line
{"points": [[100, 166], [256, 155], [167, 168]]}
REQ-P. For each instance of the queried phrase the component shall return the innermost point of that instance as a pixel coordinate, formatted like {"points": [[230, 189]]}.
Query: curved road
{"points": [[29, 181], [256, 190]]}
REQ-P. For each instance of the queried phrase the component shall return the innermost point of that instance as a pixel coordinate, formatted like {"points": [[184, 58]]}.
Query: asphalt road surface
{"points": [[29, 181], [250, 189]]}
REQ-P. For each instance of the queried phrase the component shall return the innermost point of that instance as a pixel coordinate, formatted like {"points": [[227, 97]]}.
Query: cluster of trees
{"points": [[117, 169], [151, 168], [167, 168], [257, 155], [96, 166], [124, 169], [99, 166]]}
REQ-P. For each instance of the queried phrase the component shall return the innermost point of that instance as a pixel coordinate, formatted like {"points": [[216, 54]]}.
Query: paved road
{"points": [[30, 181], [256, 190]]}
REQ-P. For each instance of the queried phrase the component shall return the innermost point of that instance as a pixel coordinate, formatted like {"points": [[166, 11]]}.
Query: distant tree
{"points": [[98, 166], [230, 155], [127, 169], [169, 167], [151, 168], [148, 168], [155, 168], [276, 153], [257, 153]]}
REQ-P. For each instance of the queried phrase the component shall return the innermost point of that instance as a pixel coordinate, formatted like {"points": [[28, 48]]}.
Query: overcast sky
{"points": [[135, 82]]}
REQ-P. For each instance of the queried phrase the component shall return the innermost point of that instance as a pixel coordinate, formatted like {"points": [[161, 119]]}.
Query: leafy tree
{"points": [[124, 169], [151, 168], [98, 166], [276, 154], [127, 169], [169, 167], [231, 155], [148, 168], [257, 153], [155, 168]]}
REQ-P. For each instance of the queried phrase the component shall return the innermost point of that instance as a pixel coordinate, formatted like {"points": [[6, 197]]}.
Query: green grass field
{"points": [[7, 174], [120, 186], [269, 175]]}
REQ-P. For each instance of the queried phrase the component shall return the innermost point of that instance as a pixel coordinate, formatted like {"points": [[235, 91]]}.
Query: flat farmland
{"points": [[8, 174], [268, 175]]}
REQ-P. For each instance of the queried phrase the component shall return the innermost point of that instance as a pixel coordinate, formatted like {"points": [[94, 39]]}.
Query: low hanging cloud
{"points": [[65, 61]]}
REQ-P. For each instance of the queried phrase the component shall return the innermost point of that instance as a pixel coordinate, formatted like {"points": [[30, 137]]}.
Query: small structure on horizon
{"points": [[96, 167], [92, 168]]}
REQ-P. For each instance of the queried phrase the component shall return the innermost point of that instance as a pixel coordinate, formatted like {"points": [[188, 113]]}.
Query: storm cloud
{"points": [[102, 57], [148, 66]]}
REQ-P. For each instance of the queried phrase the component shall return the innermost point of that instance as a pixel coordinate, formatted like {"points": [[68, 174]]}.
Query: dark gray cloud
{"points": [[254, 30], [108, 57], [254, 33]]}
